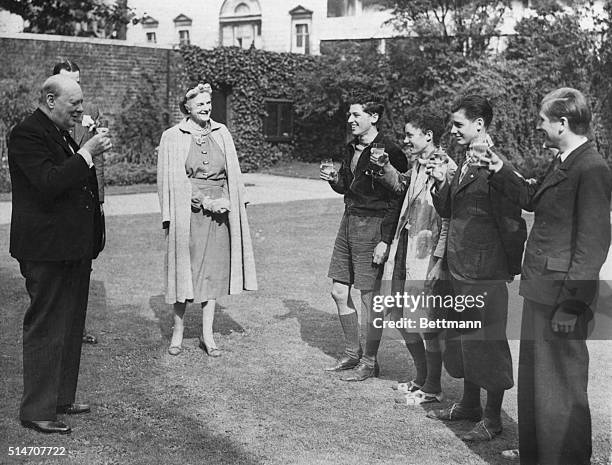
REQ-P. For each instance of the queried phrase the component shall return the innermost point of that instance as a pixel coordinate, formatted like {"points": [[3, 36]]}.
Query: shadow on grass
{"points": [[140, 412], [223, 324], [318, 329], [489, 451], [322, 331]]}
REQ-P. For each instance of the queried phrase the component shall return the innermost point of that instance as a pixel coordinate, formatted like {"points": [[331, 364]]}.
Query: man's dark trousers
{"points": [[52, 334], [553, 406]]}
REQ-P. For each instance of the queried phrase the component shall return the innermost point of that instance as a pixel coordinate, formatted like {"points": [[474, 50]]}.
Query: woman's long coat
{"points": [[174, 190]]}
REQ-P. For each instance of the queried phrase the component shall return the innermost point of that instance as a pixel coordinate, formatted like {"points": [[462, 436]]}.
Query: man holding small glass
{"points": [[366, 230], [484, 248], [91, 124]]}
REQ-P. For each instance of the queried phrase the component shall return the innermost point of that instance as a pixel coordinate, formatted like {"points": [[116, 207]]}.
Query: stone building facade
{"points": [[297, 26]]}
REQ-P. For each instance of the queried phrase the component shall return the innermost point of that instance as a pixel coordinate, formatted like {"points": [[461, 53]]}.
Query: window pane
{"points": [[219, 107], [228, 36], [271, 123], [335, 8], [184, 37], [285, 129], [351, 8], [278, 125]]}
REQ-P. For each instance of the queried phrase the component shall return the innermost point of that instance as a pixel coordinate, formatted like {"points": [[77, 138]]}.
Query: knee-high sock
{"points": [[434, 372], [350, 327], [416, 347], [373, 333]]}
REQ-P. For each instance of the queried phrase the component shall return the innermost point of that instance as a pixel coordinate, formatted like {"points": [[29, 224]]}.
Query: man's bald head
{"points": [[62, 101], [58, 84]]}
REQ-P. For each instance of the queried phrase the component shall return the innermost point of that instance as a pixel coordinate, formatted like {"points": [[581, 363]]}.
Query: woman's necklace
{"points": [[199, 132]]}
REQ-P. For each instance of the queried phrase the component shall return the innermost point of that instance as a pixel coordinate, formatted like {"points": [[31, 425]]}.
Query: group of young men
{"points": [[438, 228]]}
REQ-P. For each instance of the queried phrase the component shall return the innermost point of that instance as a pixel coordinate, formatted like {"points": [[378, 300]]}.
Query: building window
{"points": [[241, 35], [301, 22], [240, 23], [338, 8], [184, 37], [151, 37], [278, 125], [302, 39]]}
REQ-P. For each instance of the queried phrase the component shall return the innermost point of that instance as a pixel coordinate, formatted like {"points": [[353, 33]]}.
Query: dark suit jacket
{"points": [[570, 237], [55, 213], [81, 135], [476, 248], [363, 194]]}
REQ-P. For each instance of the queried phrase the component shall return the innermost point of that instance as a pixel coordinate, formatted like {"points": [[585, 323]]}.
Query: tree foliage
{"points": [[466, 24], [64, 17]]}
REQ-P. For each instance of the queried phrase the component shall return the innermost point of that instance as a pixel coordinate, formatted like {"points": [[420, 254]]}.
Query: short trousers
{"points": [[351, 261]]}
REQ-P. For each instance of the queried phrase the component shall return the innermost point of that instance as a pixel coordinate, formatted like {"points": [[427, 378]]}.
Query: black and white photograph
{"points": [[306, 232]]}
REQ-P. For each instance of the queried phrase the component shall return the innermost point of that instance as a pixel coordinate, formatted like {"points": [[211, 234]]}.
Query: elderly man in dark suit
{"points": [[55, 233], [486, 235], [81, 133], [566, 249]]}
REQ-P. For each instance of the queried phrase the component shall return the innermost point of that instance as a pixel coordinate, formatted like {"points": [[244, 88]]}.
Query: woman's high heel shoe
{"points": [[210, 351]]}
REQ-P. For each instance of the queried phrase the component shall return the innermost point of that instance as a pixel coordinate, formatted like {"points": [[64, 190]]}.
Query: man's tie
{"points": [[69, 141], [464, 169]]}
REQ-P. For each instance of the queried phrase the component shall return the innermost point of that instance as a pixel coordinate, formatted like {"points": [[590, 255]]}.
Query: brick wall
{"points": [[109, 69]]}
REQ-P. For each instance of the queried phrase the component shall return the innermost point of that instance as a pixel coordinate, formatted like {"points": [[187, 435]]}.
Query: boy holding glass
{"points": [[366, 230], [484, 248], [416, 258]]}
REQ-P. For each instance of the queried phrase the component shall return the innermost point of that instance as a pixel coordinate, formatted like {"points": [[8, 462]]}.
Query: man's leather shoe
{"points": [[456, 412], [47, 426], [345, 362], [361, 372], [73, 409]]}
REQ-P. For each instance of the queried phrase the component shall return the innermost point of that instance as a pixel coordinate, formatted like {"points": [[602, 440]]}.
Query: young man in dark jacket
{"points": [[567, 247], [486, 233], [362, 242]]}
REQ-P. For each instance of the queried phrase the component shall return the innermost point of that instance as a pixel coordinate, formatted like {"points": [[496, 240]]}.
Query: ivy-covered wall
{"points": [[251, 77]]}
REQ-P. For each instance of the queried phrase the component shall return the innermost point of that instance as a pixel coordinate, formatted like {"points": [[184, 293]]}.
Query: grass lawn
{"points": [[267, 400]]}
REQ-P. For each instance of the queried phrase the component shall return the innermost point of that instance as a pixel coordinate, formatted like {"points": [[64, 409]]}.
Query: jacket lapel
{"points": [[556, 176], [469, 178], [52, 131], [417, 185]]}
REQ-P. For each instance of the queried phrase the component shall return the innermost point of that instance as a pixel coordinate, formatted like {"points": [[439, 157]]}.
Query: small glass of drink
{"points": [[327, 166], [478, 150], [377, 151], [102, 126]]}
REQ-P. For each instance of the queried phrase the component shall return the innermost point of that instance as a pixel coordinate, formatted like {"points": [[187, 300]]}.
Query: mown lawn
{"points": [[266, 401]]}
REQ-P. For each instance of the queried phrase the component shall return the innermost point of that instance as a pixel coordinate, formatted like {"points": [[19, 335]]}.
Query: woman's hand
{"points": [[196, 202], [219, 206]]}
